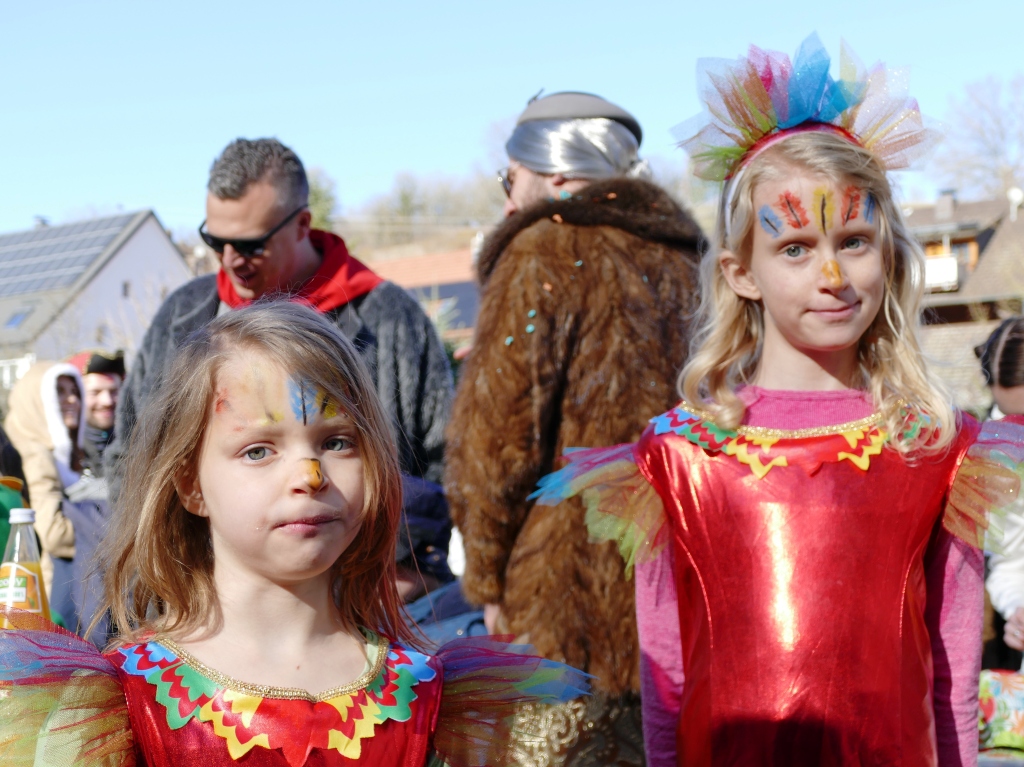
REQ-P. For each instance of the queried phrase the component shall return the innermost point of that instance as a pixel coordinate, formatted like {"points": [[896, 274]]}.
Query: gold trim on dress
{"points": [[763, 432], [374, 642]]}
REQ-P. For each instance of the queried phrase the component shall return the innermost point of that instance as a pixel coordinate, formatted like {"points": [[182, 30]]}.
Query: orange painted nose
{"points": [[830, 269], [314, 474]]}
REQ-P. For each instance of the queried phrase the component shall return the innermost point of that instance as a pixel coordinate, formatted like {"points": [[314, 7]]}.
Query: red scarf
{"points": [[339, 279]]}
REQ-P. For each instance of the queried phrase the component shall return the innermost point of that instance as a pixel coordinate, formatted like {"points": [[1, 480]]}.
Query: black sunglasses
{"points": [[505, 183], [245, 248]]}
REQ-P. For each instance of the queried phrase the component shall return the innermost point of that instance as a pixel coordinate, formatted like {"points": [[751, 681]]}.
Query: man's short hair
{"points": [[248, 161]]}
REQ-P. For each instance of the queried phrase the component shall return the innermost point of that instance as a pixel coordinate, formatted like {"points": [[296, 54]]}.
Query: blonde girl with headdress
{"points": [[807, 519], [250, 571]]}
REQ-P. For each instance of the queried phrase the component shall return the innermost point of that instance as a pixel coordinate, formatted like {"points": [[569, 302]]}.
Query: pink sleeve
{"points": [[955, 616], [661, 659]]}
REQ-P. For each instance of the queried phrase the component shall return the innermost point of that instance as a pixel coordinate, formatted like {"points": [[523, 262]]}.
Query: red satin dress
{"points": [[801, 595], [800, 573]]}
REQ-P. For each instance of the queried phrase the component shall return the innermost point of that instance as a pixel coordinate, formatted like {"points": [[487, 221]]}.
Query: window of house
{"points": [[15, 320]]}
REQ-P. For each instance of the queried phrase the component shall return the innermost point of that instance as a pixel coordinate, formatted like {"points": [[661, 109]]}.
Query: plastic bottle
{"points": [[21, 577]]}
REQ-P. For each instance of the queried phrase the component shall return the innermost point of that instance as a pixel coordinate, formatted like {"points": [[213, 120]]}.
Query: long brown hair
{"points": [[158, 558]]}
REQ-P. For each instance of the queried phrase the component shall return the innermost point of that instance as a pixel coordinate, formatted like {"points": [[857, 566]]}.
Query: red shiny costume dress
{"points": [[64, 703], [800, 578]]}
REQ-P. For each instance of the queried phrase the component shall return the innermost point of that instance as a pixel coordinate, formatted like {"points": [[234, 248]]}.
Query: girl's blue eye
{"points": [[853, 243], [256, 453], [794, 251], [338, 444]]}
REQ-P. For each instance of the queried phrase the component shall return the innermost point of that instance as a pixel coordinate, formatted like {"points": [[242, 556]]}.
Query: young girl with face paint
{"points": [[807, 520], [250, 571]]}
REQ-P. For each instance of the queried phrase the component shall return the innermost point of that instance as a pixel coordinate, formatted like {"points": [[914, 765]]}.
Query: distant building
{"points": [[975, 279], [86, 285], [444, 284]]}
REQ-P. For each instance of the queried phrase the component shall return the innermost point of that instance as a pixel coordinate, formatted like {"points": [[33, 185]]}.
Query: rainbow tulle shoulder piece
{"points": [[61, 702], [621, 504], [748, 101], [486, 681], [986, 484]]}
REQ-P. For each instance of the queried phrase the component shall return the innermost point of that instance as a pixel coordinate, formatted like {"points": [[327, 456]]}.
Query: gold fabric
{"points": [[588, 732]]}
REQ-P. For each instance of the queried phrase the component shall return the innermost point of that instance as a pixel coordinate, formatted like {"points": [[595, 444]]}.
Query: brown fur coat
{"points": [[581, 334]]}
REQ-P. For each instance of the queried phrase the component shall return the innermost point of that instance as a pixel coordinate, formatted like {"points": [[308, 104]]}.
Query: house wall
{"points": [[102, 316]]}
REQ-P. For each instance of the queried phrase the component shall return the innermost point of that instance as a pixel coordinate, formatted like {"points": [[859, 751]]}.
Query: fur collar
{"points": [[635, 206]]}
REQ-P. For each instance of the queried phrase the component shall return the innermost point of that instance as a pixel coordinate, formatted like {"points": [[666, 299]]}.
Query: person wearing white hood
{"points": [[46, 423]]}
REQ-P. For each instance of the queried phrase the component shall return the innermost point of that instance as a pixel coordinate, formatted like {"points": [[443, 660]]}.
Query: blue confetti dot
{"points": [[509, 340], [645, 278], [532, 313], [579, 263], [530, 328]]}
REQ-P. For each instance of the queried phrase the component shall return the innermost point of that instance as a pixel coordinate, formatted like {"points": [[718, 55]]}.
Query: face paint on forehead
{"points": [[221, 404], [824, 207], [260, 386], [251, 394], [309, 402], [792, 210], [870, 206], [850, 204], [770, 222]]}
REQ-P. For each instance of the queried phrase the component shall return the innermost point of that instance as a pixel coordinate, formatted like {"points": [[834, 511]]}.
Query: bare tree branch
{"points": [[983, 153]]}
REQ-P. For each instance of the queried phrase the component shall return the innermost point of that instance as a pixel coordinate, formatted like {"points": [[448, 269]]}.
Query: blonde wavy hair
{"points": [[730, 329], [158, 558]]}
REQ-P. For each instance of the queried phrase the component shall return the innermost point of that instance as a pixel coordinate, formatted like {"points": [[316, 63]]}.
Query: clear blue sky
{"points": [[108, 104]]}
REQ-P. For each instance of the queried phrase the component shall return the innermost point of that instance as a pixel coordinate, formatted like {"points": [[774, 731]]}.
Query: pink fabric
{"points": [[955, 573]]}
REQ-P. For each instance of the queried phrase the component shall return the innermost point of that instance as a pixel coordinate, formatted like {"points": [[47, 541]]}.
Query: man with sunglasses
{"points": [[258, 224], [585, 290]]}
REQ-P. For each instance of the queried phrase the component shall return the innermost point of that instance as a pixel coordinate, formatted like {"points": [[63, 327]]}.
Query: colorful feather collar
{"points": [[247, 716]]}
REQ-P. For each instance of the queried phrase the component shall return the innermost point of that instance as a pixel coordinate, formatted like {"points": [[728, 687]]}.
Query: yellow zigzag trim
{"points": [[739, 451], [344, 745], [245, 705], [863, 460]]}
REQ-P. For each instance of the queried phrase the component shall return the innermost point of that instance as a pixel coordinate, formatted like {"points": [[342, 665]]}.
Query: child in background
{"points": [[251, 571], [1002, 365], [1002, 691], [816, 502]]}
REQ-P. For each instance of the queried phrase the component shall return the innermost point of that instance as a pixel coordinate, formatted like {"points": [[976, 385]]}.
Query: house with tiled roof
{"points": [[92, 284], [444, 284], [974, 277]]}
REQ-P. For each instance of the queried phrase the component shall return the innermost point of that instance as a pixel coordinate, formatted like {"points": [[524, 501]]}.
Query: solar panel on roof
{"points": [[54, 257]]}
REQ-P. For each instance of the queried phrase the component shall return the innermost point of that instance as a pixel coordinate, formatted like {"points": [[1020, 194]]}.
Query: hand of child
{"points": [[1014, 633], [491, 614]]}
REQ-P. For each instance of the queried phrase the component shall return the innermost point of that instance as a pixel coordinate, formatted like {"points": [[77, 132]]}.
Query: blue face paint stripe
{"points": [[297, 399], [770, 222], [869, 209]]}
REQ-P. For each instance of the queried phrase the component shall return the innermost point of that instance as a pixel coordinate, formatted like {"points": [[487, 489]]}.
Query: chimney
{"points": [[945, 205], [1015, 195]]}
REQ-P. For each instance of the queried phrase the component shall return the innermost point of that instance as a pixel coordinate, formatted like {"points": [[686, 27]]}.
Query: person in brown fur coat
{"points": [[581, 332]]}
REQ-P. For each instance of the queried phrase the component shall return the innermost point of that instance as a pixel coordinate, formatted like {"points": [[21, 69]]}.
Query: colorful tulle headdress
{"points": [[750, 103]]}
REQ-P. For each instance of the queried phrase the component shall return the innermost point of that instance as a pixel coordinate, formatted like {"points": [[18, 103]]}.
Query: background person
{"points": [[258, 222], [102, 376], [585, 290], [45, 422], [1002, 364]]}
